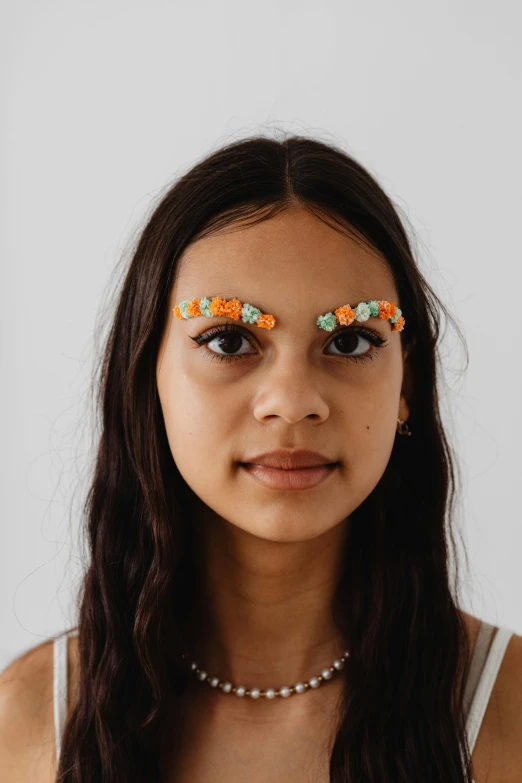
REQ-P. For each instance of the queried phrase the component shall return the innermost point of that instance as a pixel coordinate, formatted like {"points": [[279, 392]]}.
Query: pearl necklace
{"points": [[270, 693]]}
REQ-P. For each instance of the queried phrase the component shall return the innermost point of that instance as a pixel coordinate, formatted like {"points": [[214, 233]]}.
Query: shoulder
{"points": [[506, 707], [27, 749], [498, 750], [26, 710]]}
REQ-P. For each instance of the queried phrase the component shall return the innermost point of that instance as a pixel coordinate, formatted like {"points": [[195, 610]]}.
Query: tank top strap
{"points": [[484, 670], [59, 689], [478, 659]]}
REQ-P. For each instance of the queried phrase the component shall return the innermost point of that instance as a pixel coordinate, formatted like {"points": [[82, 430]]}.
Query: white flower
{"points": [[362, 312]]}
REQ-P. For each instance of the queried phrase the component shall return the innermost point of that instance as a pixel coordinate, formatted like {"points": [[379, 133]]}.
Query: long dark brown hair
{"points": [[401, 716]]}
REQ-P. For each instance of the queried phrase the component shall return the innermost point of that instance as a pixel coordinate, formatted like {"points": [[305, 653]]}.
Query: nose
{"points": [[291, 390]]}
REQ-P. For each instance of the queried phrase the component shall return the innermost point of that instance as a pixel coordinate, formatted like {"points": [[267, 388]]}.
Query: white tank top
{"points": [[485, 664]]}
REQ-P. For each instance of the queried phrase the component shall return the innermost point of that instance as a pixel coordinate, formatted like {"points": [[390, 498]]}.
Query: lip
{"points": [[299, 478], [283, 459]]}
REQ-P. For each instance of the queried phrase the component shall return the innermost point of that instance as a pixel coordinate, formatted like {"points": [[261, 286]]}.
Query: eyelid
{"points": [[371, 335], [225, 327], [355, 327]]}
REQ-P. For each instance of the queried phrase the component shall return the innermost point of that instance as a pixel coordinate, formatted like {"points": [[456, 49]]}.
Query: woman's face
{"points": [[295, 386]]}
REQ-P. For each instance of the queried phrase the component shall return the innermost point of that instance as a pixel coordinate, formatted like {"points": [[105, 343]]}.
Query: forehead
{"points": [[292, 259]]}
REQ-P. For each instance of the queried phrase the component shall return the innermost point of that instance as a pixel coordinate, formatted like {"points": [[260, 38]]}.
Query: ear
{"points": [[406, 389]]}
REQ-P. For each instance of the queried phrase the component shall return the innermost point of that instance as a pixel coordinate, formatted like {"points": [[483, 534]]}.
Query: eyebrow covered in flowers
{"points": [[235, 309]]}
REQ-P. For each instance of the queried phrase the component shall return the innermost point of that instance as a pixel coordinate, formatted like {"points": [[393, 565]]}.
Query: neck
{"points": [[260, 611]]}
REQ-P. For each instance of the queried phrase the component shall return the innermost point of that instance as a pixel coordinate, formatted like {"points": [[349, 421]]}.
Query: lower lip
{"points": [[302, 478]]}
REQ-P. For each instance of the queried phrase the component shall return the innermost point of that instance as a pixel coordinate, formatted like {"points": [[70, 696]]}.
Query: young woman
{"points": [[271, 594]]}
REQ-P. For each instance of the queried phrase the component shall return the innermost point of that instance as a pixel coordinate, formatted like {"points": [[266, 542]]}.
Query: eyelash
{"points": [[375, 339]]}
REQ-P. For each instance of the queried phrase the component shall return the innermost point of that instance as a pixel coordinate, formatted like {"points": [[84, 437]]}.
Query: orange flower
{"points": [[217, 306], [266, 321], [193, 308], [233, 309], [398, 326], [386, 309], [345, 315], [177, 312]]}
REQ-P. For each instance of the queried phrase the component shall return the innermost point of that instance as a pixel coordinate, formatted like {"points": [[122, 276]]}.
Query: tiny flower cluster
{"points": [[373, 309], [190, 308], [387, 311]]}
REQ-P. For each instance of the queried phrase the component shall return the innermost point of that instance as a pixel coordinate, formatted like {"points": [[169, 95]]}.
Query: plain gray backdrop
{"points": [[104, 103]]}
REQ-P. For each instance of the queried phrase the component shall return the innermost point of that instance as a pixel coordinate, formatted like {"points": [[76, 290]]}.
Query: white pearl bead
{"points": [[270, 693]]}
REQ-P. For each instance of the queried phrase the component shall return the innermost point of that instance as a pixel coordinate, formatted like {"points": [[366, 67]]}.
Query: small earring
{"points": [[402, 428]]}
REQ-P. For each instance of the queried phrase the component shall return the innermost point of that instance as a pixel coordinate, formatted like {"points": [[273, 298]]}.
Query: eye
{"points": [[228, 344], [229, 339], [348, 344]]}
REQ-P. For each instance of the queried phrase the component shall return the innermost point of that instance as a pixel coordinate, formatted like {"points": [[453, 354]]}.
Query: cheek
{"points": [[371, 429], [200, 420], [202, 425]]}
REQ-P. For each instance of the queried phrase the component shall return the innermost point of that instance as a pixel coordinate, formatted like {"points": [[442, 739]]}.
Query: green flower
{"points": [[374, 308], [204, 306], [393, 318], [250, 314], [327, 322], [183, 307]]}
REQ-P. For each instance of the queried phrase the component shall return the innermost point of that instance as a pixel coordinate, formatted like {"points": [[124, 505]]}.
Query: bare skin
{"points": [[269, 559], [292, 749], [212, 740]]}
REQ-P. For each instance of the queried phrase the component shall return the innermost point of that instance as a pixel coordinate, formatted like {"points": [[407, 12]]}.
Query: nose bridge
{"points": [[291, 385], [293, 358]]}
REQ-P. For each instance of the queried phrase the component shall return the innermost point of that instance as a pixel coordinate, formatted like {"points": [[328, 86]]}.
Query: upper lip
{"points": [[290, 460]]}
